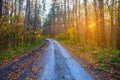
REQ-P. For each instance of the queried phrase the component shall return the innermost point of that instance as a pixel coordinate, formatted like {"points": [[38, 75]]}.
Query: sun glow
{"points": [[91, 26]]}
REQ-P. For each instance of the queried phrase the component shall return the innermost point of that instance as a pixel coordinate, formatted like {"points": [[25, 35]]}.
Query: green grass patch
{"points": [[18, 50]]}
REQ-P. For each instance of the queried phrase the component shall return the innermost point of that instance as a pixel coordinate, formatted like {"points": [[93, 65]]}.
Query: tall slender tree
{"points": [[118, 27], [1, 6], [86, 20], [64, 17], [27, 13], [102, 23], [97, 36], [77, 27], [112, 23]]}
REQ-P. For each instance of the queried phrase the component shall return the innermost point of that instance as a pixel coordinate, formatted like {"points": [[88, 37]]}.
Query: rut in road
{"points": [[61, 69]]}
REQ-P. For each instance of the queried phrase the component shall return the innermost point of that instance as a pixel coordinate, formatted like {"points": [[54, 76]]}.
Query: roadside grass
{"points": [[106, 60], [12, 52]]}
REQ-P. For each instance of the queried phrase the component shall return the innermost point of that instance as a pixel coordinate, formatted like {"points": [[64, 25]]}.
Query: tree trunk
{"points": [[64, 19], [102, 24], [11, 14], [35, 17], [86, 21], [112, 24], [20, 6], [118, 27], [97, 36], [1, 5], [78, 38], [27, 13]]}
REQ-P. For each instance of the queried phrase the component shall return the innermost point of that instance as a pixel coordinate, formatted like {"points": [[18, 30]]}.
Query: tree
{"points": [[1, 6], [64, 18], [110, 4], [112, 23], [78, 33], [11, 12], [35, 16], [20, 6], [118, 27], [97, 36], [86, 20], [27, 13], [102, 24]]}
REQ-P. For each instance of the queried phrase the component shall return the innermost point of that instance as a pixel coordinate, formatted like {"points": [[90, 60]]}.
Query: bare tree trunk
{"points": [[64, 19], [97, 36], [27, 21], [58, 19], [35, 20], [118, 27], [1, 6], [78, 38], [15, 16], [35, 17], [20, 6], [86, 21], [68, 12], [112, 24], [27, 13], [102, 24]]}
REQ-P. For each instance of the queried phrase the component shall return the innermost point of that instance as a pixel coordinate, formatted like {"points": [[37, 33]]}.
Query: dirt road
{"points": [[55, 63]]}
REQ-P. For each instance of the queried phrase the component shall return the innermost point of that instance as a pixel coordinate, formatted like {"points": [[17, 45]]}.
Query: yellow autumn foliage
{"points": [[38, 35], [20, 21], [71, 32]]}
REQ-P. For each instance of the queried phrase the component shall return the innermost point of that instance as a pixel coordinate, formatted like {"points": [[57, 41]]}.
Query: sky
{"points": [[48, 6], [47, 9]]}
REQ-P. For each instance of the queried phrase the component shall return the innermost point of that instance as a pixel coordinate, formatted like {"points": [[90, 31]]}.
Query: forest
{"points": [[88, 28]]}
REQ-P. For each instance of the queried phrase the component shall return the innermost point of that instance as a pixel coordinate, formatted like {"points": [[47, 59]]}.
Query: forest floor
{"points": [[47, 62]]}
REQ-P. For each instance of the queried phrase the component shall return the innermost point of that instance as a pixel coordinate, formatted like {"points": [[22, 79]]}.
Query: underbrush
{"points": [[12, 52], [108, 60], [61, 37]]}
